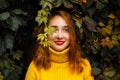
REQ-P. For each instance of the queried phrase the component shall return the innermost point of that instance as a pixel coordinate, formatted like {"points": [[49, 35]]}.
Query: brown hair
{"points": [[41, 58]]}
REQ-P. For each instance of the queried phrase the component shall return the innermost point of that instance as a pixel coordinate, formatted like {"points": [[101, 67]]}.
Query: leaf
{"points": [[15, 23], [117, 22], [17, 55], [6, 63], [112, 16], [9, 39], [101, 24], [91, 11], [115, 40], [67, 4], [19, 11], [89, 3], [109, 72], [96, 71], [116, 30], [49, 30], [110, 22], [91, 24], [84, 1], [108, 29], [119, 37], [41, 37], [4, 4], [4, 16], [1, 76], [2, 46], [58, 3], [46, 4], [99, 5]]}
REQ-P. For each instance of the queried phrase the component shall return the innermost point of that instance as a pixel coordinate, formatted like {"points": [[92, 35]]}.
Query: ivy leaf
{"points": [[17, 55], [2, 46], [67, 4], [49, 30], [4, 16], [89, 3], [101, 24], [58, 3], [109, 72], [9, 39], [91, 11], [116, 30], [91, 24], [19, 11], [4, 4], [46, 4], [15, 23], [99, 5], [41, 37], [1, 76], [112, 16]]}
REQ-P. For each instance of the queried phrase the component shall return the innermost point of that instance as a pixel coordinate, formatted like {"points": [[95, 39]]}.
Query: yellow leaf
{"points": [[101, 24], [84, 1], [103, 31], [117, 22], [112, 16], [108, 29], [119, 37], [110, 22]]}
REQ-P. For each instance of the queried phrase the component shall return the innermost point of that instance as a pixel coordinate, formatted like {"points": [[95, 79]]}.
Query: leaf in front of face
{"points": [[49, 30]]}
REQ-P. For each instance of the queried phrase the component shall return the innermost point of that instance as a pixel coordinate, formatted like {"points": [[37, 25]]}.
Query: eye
{"points": [[66, 30]]}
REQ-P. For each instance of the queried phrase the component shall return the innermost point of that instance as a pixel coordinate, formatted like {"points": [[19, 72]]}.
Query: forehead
{"points": [[57, 21]]}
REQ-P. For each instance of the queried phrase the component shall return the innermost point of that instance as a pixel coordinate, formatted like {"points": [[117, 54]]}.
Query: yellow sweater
{"points": [[58, 70]]}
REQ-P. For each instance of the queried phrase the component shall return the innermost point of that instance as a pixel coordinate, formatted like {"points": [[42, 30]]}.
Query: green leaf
{"points": [[2, 46], [9, 39], [46, 4], [17, 55], [67, 4], [91, 11], [49, 30], [6, 63], [15, 23], [99, 5], [19, 11], [89, 3], [109, 72], [58, 3], [4, 16], [41, 37], [4, 4], [1, 76]]}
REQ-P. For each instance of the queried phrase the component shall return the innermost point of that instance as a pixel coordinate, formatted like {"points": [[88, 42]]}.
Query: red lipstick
{"points": [[59, 42]]}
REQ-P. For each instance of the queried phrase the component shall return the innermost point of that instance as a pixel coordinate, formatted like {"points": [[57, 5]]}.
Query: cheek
{"points": [[50, 37]]}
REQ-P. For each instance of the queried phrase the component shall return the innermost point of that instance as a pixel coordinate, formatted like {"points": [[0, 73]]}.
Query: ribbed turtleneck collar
{"points": [[59, 57]]}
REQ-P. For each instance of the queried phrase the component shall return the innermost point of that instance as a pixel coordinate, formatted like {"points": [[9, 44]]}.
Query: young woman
{"points": [[62, 60]]}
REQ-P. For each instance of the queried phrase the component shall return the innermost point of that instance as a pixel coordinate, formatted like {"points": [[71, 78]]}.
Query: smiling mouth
{"points": [[59, 42]]}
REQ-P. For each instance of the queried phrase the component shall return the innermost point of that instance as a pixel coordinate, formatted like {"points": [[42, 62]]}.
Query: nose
{"points": [[60, 35]]}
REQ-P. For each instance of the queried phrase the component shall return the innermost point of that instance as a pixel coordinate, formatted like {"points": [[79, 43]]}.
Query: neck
{"points": [[59, 57]]}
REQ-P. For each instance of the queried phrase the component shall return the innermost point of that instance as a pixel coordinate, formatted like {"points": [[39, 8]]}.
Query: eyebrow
{"points": [[57, 26]]}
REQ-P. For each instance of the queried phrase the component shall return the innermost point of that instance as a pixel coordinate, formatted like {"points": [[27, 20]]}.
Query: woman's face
{"points": [[60, 39]]}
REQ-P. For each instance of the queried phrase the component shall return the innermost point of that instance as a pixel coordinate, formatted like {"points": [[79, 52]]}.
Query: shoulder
{"points": [[31, 72], [87, 69], [86, 65]]}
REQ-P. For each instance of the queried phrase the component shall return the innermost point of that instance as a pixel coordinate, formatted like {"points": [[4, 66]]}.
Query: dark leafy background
{"points": [[97, 27]]}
